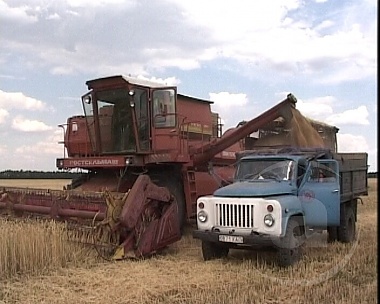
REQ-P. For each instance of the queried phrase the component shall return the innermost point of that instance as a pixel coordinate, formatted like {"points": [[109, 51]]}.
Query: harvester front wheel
{"points": [[175, 188]]}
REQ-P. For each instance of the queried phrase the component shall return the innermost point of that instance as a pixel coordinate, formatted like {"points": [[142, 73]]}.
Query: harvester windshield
{"points": [[116, 125]]}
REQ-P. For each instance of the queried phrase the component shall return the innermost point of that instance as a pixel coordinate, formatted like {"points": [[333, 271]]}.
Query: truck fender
{"points": [[300, 218]]}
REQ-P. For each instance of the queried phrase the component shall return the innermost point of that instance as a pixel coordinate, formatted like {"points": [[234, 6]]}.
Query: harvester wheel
{"points": [[175, 188]]}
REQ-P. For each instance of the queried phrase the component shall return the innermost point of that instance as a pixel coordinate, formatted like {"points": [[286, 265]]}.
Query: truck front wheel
{"points": [[347, 228], [290, 250], [212, 251]]}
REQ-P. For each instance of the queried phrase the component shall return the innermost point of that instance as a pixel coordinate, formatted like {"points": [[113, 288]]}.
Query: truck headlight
{"points": [[268, 220], [202, 216]]}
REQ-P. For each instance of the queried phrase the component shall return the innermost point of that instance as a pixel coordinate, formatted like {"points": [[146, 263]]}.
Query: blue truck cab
{"points": [[279, 197]]}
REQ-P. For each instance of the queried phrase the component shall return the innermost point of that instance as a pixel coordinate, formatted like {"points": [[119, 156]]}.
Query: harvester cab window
{"points": [[140, 99], [164, 108], [115, 121], [90, 122]]}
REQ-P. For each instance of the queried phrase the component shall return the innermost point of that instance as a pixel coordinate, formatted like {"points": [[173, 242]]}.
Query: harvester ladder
{"points": [[191, 192]]}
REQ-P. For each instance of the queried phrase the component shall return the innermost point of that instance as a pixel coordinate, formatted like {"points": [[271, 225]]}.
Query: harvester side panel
{"points": [[160, 232]]}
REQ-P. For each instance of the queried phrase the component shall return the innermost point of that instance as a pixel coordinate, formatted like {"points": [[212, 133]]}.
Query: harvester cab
{"points": [[121, 115], [120, 118]]}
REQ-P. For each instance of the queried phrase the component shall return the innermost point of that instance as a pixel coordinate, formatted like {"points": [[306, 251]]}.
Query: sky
{"points": [[245, 56]]}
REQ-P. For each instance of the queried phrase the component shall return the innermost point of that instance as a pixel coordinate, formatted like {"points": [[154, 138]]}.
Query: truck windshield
{"points": [[271, 169], [115, 120]]}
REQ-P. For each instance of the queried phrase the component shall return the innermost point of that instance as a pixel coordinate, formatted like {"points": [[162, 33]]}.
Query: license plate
{"points": [[231, 239]]}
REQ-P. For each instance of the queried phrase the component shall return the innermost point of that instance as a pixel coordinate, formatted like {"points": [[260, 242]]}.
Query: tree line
{"points": [[27, 174]]}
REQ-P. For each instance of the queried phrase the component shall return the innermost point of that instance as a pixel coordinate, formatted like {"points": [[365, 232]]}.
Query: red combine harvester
{"points": [[148, 153]]}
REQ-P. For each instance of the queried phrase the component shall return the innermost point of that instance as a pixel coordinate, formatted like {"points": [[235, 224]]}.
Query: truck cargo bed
{"points": [[353, 175]]}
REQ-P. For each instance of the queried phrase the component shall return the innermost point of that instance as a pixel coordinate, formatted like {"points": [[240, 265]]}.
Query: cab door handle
{"points": [[335, 191]]}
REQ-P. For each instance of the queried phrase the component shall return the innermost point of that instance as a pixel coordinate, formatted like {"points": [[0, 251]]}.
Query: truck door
{"points": [[320, 195]]}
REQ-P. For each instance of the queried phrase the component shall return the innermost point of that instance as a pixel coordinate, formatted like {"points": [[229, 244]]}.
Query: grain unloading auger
{"points": [[146, 151]]}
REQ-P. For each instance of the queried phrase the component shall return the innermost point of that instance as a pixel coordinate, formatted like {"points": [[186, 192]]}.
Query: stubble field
{"points": [[38, 266]]}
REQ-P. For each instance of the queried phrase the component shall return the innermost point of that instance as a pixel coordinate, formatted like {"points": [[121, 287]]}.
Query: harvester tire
{"points": [[290, 250], [175, 188], [347, 228], [212, 251]]}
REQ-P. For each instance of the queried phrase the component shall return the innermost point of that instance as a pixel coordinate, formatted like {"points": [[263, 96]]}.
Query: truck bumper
{"points": [[248, 240]]}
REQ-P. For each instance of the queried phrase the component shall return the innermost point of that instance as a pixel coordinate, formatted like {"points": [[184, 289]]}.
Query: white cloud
{"points": [[96, 3], [19, 14], [324, 25], [54, 16], [3, 115], [316, 108], [48, 146], [62, 70], [26, 125], [231, 107], [17, 100], [227, 100], [322, 108], [184, 34], [358, 116], [170, 81], [352, 143], [3, 149], [232, 22]]}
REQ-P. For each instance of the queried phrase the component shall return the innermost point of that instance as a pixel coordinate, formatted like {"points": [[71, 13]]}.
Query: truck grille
{"points": [[234, 215]]}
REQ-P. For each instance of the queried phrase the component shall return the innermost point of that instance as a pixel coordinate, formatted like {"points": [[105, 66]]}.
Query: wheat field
{"points": [[54, 272]]}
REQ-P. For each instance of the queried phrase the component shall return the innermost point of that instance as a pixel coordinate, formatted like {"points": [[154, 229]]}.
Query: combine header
{"points": [[148, 153]]}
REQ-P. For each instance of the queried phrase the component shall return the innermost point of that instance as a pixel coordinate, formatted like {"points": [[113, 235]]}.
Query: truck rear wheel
{"points": [[332, 233], [212, 251], [347, 228], [290, 251]]}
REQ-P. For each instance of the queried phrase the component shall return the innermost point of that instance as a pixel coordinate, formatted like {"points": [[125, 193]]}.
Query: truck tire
{"points": [[332, 234], [212, 251], [347, 228], [290, 251]]}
